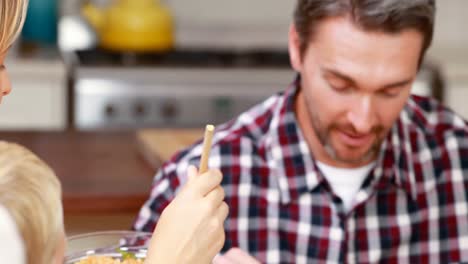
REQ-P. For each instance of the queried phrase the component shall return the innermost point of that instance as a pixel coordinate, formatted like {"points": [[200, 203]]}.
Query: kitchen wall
{"points": [[275, 15], [240, 23], [239, 11], [451, 16], [451, 22], [450, 39], [450, 50]]}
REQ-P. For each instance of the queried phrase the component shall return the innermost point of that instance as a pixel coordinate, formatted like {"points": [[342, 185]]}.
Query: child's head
{"points": [[31, 192]]}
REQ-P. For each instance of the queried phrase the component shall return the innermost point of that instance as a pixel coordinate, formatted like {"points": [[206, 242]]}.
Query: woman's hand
{"points": [[191, 227]]}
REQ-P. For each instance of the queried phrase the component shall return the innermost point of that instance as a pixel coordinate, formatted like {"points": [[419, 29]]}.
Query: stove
{"points": [[181, 88], [185, 87], [187, 58]]}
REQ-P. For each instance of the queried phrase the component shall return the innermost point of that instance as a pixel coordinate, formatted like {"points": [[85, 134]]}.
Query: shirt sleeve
{"points": [[162, 193]]}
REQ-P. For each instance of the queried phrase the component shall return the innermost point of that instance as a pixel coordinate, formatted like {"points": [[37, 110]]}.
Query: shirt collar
{"points": [[404, 156], [291, 161]]}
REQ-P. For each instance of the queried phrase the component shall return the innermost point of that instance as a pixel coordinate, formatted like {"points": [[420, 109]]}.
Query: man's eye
{"points": [[340, 88], [390, 93]]}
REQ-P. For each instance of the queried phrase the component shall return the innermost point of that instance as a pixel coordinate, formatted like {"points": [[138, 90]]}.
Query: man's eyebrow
{"points": [[339, 75], [350, 80], [397, 84]]}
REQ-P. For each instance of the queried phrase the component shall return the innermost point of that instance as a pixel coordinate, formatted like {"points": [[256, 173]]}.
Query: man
{"points": [[345, 165]]}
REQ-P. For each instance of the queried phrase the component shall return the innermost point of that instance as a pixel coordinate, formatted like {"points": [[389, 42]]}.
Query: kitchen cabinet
{"points": [[38, 97]]}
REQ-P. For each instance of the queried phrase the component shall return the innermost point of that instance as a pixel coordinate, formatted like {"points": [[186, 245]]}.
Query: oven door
{"points": [[175, 97]]}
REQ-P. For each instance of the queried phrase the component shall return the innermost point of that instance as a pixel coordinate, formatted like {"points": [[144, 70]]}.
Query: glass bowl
{"points": [[115, 244]]}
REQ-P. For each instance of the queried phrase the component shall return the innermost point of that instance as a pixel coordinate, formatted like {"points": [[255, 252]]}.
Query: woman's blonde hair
{"points": [[32, 193], [12, 16]]}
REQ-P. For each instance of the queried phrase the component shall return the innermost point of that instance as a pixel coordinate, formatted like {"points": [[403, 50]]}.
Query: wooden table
{"points": [[101, 172]]}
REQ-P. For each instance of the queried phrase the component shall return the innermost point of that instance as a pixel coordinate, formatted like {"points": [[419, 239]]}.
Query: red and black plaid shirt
{"points": [[412, 207]]}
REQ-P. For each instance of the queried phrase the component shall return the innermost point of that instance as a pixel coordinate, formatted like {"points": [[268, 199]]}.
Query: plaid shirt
{"points": [[412, 207]]}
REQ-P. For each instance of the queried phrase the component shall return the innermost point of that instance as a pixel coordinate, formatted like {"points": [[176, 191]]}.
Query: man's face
{"points": [[353, 86]]}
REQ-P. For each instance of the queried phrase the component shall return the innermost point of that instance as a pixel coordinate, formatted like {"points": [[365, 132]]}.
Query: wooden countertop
{"points": [[158, 145], [101, 172]]}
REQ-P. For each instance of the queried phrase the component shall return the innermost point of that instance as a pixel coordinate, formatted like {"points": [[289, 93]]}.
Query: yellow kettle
{"points": [[132, 25]]}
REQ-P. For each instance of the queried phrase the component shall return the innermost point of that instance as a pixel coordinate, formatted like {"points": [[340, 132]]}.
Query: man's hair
{"points": [[31, 193], [388, 16], [12, 16]]}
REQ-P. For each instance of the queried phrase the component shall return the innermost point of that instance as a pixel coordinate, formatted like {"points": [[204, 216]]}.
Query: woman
{"points": [[12, 15], [190, 229]]}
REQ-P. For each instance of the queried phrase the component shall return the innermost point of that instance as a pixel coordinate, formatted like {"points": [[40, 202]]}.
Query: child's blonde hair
{"points": [[32, 194], [12, 16]]}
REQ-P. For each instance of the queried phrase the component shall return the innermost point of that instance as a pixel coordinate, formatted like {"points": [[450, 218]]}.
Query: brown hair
{"points": [[390, 16], [31, 192]]}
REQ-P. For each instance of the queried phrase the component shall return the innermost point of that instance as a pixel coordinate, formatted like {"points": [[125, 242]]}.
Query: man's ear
{"points": [[294, 49]]}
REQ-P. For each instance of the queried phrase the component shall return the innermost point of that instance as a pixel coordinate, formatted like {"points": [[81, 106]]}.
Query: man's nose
{"points": [[362, 115]]}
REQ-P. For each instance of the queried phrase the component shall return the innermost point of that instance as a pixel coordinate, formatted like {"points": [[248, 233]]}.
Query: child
{"points": [[31, 212], [31, 194]]}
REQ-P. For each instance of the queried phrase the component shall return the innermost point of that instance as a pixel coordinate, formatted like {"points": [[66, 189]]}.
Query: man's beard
{"points": [[323, 135]]}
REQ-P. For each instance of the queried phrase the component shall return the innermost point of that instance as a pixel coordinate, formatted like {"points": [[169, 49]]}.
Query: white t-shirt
{"points": [[11, 243], [345, 182]]}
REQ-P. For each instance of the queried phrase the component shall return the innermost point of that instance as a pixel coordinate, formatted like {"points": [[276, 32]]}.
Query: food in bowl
{"points": [[108, 260], [108, 247]]}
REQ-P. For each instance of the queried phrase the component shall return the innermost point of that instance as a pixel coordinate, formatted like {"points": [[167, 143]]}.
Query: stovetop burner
{"points": [[187, 58]]}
